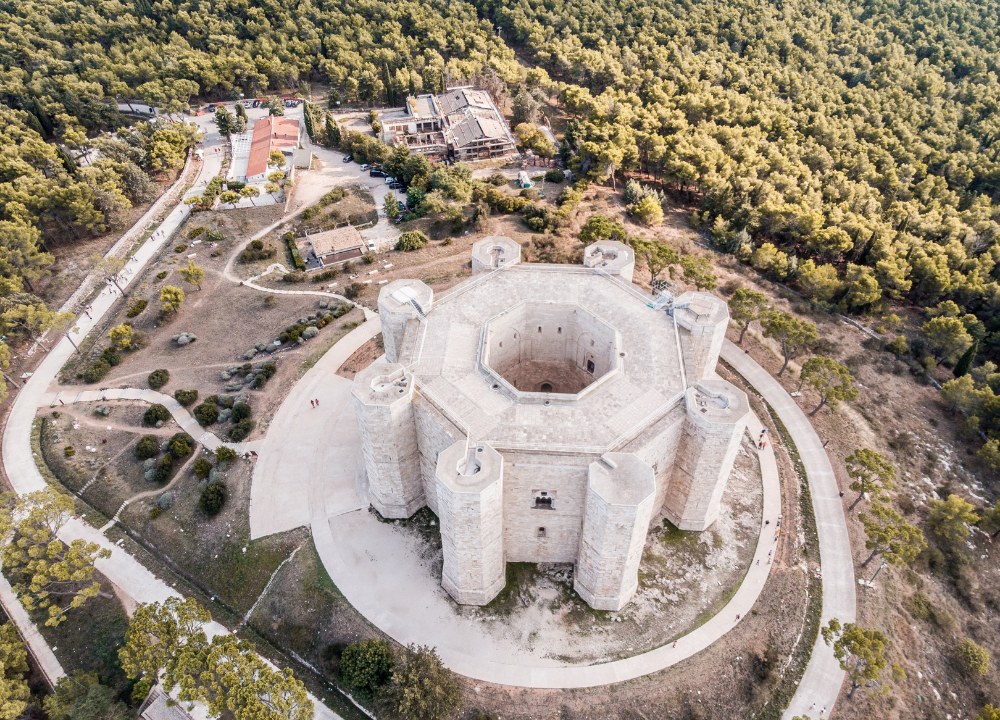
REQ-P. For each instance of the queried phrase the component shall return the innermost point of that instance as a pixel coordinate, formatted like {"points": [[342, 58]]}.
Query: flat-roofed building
{"points": [[330, 247]]}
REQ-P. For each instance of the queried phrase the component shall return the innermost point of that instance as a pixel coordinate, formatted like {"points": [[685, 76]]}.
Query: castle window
{"points": [[546, 387], [540, 532], [543, 500], [539, 328], [590, 366], [559, 331]]}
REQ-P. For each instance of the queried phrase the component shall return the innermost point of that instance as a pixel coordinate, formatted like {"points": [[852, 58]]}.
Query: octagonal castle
{"points": [[548, 413]]}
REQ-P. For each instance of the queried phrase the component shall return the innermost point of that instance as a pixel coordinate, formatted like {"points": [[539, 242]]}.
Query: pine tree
{"points": [[965, 362], [332, 131]]}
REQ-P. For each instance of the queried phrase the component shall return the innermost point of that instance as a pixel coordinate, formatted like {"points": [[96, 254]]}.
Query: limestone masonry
{"points": [[548, 413]]}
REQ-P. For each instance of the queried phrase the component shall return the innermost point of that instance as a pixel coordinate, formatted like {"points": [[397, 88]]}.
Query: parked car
{"points": [[210, 108], [395, 185], [364, 166], [376, 172], [390, 180], [348, 159], [256, 103]]}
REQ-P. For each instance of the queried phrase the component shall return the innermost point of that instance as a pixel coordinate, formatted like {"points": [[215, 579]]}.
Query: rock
{"points": [[302, 321], [310, 332], [165, 501], [225, 375], [186, 339], [270, 349], [164, 445], [311, 316], [248, 355], [215, 476], [159, 423], [103, 410], [300, 340], [261, 347], [324, 303], [225, 414], [175, 338], [148, 464], [150, 475]]}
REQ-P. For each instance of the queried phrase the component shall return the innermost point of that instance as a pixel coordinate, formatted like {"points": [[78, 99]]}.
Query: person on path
{"points": [[317, 402], [758, 561], [675, 643], [312, 403], [737, 618]]}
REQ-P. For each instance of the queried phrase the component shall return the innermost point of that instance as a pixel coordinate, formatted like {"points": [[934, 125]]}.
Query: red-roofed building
{"points": [[270, 133]]}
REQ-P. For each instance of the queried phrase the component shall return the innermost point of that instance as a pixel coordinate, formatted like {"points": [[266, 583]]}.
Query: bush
{"points": [[224, 454], [555, 175], [186, 397], [69, 451], [195, 232], [137, 308], [326, 275], [163, 468], [974, 659], [155, 513], [180, 445], [294, 277], [255, 251], [268, 370], [241, 430], [300, 264], [154, 414], [213, 497], [366, 666], [241, 411], [422, 687], [147, 447], [202, 467], [161, 275], [180, 248], [97, 371], [411, 240], [158, 378], [206, 413], [165, 501], [497, 180], [353, 290]]}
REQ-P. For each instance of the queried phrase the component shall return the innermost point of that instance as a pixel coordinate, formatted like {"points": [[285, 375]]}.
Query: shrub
{"points": [[256, 251], [202, 467], [137, 308], [213, 497], [147, 447], [180, 248], [225, 454], [241, 411], [366, 666], [353, 290], [69, 451], [154, 414], [341, 310], [239, 431], [555, 175], [186, 397], [163, 468], [158, 378], [111, 357], [411, 240], [325, 275], [165, 501], [180, 445], [161, 275], [497, 179], [300, 264], [155, 513], [294, 277], [97, 371], [206, 413], [195, 232], [973, 658], [368, 258]]}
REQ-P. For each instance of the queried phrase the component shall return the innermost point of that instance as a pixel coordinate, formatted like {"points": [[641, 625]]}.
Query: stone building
{"points": [[548, 413]]}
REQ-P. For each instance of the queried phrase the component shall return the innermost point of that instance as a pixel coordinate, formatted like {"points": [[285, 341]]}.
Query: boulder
{"points": [[248, 355], [186, 339], [159, 423], [103, 410], [324, 303], [225, 375]]}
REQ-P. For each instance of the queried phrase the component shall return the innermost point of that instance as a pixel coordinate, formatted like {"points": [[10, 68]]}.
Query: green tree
{"points": [[648, 211], [422, 688], [107, 268], [14, 690], [276, 158], [224, 121], [973, 658], [192, 275], [792, 334], [988, 713], [830, 379], [601, 227], [946, 337], [770, 261], [250, 192], [952, 519], [390, 206], [83, 697], [654, 254], [890, 536], [411, 240], [863, 290], [5, 358], [871, 474], [331, 130], [366, 666], [525, 109], [121, 337], [990, 520], [861, 654], [831, 241], [748, 306], [229, 197], [698, 271], [34, 319], [964, 363], [21, 257], [819, 282], [48, 575], [170, 299]]}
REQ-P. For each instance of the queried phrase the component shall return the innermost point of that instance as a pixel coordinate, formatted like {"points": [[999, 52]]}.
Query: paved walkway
{"points": [[40, 650], [823, 677], [308, 455], [180, 414]]}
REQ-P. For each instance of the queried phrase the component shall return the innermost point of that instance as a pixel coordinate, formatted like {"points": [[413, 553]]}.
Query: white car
{"points": [[364, 167], [389, 180]]}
